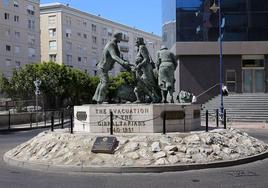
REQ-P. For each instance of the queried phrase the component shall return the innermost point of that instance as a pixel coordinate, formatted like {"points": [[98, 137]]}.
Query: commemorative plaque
{"points": [[104, 145]]}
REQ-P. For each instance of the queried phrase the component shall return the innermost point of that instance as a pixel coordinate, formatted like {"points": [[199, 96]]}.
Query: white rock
{"points": [[182, 148], [144, 162], [171, 148], [200, 158], [192, 139], [159, 155], [192, 151], [97, 161], [180, 155], [155, 147], [173, 159], [161, 161], [178, 140], [145, 154], [186, 160], [165, 140], [133, 155], [130, 147], [171, 152], [122, 140]]}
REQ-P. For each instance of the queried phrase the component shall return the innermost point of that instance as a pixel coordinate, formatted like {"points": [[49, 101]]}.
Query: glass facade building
{"points": [[191, 29]]}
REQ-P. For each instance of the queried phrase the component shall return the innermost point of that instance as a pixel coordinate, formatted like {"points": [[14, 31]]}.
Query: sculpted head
{"points": [[118, 37], [139, 41]]}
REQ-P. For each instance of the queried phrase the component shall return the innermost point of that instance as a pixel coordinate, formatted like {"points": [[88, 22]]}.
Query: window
{"points": [[52, 45], [8, 48], [79, 34], [68, 33], [85, 36], [5, 3], [94, 28], [16, 3], [85, 59], [17, 34], [69, 59], [18, 64], [52, 20], [31, 52], [7, 32], [79, 59], [31, 24], [79, 49], [79, 22], [30, 9], [104, 31], [68, 20], [52, 57], [17, 49], [52, 32], [94, 39], [231, 80], [16, 18], [68, 46], [8, 62], [104, 41], [6, 16], [31, 40], [84, 23]]}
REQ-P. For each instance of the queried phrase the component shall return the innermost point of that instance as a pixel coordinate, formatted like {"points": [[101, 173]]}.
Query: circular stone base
{"points": [[59, 151]]}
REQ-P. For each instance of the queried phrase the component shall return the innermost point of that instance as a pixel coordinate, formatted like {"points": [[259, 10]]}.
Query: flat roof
{"points": [[47, 6]]}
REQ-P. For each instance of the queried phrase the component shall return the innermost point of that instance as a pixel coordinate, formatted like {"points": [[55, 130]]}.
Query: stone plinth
{"points": [[136, 118]]}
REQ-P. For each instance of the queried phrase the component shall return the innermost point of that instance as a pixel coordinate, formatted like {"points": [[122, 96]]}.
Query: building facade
{"points": [[76, 39], [195, 40], [19, 34]]}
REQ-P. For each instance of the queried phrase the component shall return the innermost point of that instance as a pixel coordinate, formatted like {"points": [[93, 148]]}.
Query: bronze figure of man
{"points": [[110, 55], [166, 65]]}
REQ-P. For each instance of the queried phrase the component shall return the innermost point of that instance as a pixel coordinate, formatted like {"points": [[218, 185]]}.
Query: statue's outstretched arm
{"points": [[116, 58]]}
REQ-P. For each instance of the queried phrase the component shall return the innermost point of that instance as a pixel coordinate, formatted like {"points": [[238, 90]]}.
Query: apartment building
{"points": [[76, 39], [19, 34]]}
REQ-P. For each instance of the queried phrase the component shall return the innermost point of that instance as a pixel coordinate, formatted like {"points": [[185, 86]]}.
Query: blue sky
{"points": [[143, 14]]}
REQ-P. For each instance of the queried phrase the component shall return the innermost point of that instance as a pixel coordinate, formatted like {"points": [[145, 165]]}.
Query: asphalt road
{"points": [[253, 175]]}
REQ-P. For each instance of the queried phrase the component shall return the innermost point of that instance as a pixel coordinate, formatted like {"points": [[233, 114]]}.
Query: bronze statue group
{"points": [[153, 81]]}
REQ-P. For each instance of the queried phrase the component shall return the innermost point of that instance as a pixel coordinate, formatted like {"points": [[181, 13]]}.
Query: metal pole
{"points": [[164, 122], [31, 119], [52, 121], [71, 119], [45, 118], [111, 123], [36, 109], [221, 61], [224, 120], [62, 120], [206, 120], [9, 120], [217, 117]]}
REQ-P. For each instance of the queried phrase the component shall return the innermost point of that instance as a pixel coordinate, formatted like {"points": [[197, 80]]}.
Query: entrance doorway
{"points": [[253, 75]]}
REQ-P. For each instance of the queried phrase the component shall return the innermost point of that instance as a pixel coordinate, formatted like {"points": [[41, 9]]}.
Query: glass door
{"points": [[253, 80], [247, 81], [259, 81]]}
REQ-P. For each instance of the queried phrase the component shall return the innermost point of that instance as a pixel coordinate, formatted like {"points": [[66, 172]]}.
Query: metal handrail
{"points": [[207, 90]]}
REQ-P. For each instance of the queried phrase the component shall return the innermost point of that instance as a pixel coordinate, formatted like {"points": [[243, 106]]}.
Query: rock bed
{"points": [[62, 148]]}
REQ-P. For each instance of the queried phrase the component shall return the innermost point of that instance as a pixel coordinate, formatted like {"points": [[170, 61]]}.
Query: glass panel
{"points": [[259, 80], [245, 20], [247, 81], [253, 63]]}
